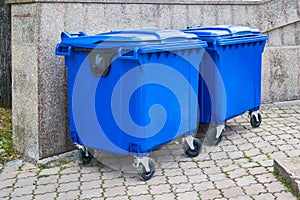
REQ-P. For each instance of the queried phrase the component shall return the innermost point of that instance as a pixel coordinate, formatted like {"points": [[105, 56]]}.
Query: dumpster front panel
{"points": [[162, 109]]}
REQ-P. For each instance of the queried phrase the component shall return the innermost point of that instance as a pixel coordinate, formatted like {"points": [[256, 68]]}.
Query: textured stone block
{"points": [[224, 14], [239, 14], [279, 80], [290, 10], [275, 38], [288, 35], [209, 15], [164, 16], [195, 15], [288, 169], [179, 17]]}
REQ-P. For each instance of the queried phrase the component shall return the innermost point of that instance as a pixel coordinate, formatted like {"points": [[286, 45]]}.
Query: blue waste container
{"points": [[132, 91], [230, 81]]}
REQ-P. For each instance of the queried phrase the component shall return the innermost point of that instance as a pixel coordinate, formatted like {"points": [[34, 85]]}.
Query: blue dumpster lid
{"points": [[137, 37], [223, 31], [227, 34]]}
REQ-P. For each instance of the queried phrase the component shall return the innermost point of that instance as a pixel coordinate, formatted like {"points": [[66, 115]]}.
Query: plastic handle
{"points": [[72, 35], [143, 32], [242, 40], [122, 53], [63, 50]]}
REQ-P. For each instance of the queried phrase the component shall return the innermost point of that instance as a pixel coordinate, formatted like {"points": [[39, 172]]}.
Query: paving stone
{"points": [[204, 186], [241, 198], [50, 171], [174, 172], [142, 197], [64, 187], [265, 178], [47, 180], [90, 177], [205, 164], [274, 187], [219, 156], [198, 178], [70, 170], [187, 195], [5, 192], [92, 185], [236, 154], [237, 173], [24, 197], [177, 179], [262, 144], [259, 158], [285, 147], [230, 167], [27, 174], [188, 165], [87, 194], [225, 184], [138, 190], [114, 198], [230, 148], [209, 194], [182, 187], [245, 180], [93, 169], [293, 153], [254, 189], [7, 175], [41, 189], [263, 196], [157, 180], [7, 183], [255, 139], [47, 196], [232, 192], [246, 147], [115, 191], [20, 191], [160, 189], [252, 152], [212, 170], [164, 196], [25, 182], [68, 195], [224, 162], [257, 170], [284, 196], [69, 178], [217, 177]]}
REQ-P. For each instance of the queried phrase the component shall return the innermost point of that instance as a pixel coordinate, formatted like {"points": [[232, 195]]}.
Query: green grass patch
{"points": [[7, 150], [43, 176], [286, 184]]}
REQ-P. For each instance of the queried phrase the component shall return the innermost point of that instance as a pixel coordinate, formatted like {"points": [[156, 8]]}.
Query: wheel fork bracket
{"points": [[190, 141], [144, 161]]}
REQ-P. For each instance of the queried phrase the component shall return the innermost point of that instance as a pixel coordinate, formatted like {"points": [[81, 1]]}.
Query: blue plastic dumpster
{"points": [[132, 91], [230, 82]]}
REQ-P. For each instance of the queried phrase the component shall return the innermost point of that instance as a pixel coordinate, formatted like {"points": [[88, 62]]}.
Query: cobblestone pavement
{"points": [[240, 167]]}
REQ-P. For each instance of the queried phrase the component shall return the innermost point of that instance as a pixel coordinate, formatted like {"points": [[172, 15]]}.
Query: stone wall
{"points": [[5, 55], [39, 76]]}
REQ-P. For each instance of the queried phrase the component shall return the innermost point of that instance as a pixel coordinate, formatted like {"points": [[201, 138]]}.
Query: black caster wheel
{"points": [[85, 158], [197, 148], [143, 175], [211, 136], [255, 122]]}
